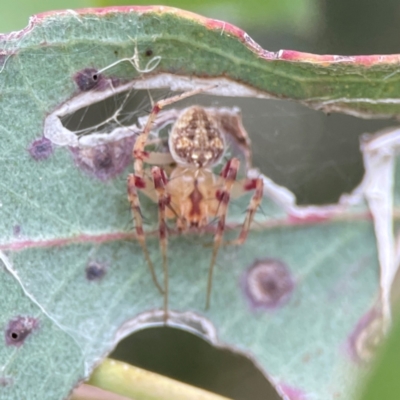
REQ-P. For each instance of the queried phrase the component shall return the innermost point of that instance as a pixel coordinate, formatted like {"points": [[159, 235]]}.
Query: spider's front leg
{"points": [[223, 195], [164, 199], [137, 216], [233, 188], [256, 184]]}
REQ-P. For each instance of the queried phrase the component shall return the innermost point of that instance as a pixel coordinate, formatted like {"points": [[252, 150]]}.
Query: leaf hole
{"points": [[121, 110], [199, 363]]}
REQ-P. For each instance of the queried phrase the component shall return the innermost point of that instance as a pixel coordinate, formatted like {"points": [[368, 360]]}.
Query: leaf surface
{"points": [[74, 280]]}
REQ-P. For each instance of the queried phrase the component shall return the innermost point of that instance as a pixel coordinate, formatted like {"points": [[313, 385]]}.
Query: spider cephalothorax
{"points": [[192, 194]]}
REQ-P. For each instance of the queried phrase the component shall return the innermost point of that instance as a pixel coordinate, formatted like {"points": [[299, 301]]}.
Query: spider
{"points": [[192, 194]]}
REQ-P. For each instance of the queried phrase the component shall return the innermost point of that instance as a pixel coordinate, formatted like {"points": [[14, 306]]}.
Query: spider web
{"points": [[314, 155]]}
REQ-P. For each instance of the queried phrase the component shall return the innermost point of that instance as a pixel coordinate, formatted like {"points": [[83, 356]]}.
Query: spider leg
{"points": [[158, 158], [160, 180], [135, 209], [228, 173], [139, 154], [257, 185]]}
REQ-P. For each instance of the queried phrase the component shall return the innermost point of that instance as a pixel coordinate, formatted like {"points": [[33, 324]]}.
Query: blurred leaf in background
{"points": [[267, 14], [15, 14]]}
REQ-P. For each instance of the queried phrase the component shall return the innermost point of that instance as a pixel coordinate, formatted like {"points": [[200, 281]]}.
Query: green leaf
{"points": [[74, 280], [383, 382]]}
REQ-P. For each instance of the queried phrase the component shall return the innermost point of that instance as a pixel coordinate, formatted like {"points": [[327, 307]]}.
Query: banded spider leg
{"points": [[232, 188]]}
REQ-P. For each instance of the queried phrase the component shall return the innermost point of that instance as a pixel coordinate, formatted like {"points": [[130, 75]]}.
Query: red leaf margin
{"points": [[214, 24]]}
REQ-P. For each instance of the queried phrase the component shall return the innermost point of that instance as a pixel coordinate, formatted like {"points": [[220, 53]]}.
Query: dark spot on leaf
{"points": [[267, 283], [17, 230], [105, 161], [41, 149], [95, 271], [87, 79], [116, 52], [149, 52], [19, 329], [366, 336], [5, 381]]}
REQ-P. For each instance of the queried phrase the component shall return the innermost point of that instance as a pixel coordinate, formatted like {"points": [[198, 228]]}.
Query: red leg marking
{"points": [[257, 185]]}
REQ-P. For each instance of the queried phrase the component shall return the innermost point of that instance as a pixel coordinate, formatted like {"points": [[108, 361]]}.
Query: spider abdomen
{"points": [[196, 139]]}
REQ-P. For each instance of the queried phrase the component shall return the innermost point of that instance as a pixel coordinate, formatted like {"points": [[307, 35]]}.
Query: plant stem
{"points": [[138, 384]]}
